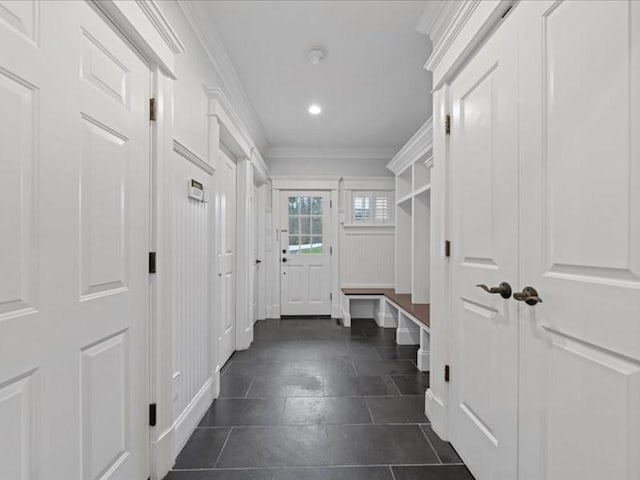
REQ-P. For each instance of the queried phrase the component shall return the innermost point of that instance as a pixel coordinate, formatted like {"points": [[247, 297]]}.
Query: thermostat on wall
{"points": [[196, 190]]}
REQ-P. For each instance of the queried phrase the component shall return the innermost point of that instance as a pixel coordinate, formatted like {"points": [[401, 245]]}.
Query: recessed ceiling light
{"points": [[315, 109], [315, 56]]}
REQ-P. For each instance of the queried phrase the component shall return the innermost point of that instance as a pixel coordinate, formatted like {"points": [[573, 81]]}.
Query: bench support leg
{"points": [[346, 311], [408, 333], [423, 351], [384, 318]]}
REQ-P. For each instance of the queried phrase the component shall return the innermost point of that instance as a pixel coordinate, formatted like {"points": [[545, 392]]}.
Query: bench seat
{"points": [[411, 320]]}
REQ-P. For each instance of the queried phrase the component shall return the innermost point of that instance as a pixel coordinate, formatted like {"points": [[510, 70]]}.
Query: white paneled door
{"points": [[484, 252], [74, 235], [227, 257], [305, 265], [580, 240]]}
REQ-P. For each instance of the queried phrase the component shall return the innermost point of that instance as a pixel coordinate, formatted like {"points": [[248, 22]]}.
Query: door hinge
{"points": [[152, 262], [447, 248], [331, 296], [152, 109], [153, 417], [447, 373], [447, 125], [330, 250], [330, 203]]}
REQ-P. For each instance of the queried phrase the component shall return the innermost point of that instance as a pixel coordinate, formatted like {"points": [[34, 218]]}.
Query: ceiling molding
{"points": [[417, 147], [203, 26], [455, 30], [454, 18], [161, 24], [329, 153], [316, 182]]}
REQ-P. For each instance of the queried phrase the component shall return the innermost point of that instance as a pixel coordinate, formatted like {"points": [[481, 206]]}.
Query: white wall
{"points": [[187, 381]]}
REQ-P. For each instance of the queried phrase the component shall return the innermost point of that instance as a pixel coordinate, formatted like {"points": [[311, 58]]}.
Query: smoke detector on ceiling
{"points": [[316, 56]]}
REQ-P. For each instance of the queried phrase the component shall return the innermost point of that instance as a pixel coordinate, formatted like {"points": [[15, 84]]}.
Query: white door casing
{"points": [[305, 261], [227, 258], [74, 287], [483, 406], [580, 240], [255, 262]]}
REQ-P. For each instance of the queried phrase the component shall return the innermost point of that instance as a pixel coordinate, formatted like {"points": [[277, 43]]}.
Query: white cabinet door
{"points": [[580, 240], [74, 235], [484, 170], [227, 258], [305, 265]]}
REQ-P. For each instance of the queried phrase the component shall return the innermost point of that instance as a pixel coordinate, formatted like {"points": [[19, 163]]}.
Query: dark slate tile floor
{"points": [[311, 400]]}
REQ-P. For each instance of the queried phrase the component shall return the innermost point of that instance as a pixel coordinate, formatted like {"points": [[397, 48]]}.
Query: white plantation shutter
{"points": [[370, 208], [383, 212], [361, 207]]}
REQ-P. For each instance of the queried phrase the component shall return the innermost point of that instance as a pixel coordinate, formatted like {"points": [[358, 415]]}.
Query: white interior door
{"points": [[227, 258], [305, 265], [580, 243], [484, 251], [74, 230]]}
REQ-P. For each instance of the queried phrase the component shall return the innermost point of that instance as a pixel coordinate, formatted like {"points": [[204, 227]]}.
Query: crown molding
{"points": [[456, 29], [418, 146], [296, 153], [161, 24], [203, 27]]}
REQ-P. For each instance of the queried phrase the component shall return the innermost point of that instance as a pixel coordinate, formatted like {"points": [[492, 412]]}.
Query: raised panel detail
{"points": [[21, 16], [18, 216], [103, 209], [295, 283], [589, 390], [17, 427], [316, 289], [478, 348], [105, 392], [587, 152], [477, 111], [103, 70]]}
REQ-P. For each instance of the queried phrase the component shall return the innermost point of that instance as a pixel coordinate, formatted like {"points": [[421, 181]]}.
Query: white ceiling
{"points": [[372, 86]]}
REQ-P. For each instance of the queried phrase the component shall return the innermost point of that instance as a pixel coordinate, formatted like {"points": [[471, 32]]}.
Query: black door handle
{"points": [[258, 261], [529, 295], [504, 289], [284, 260]]}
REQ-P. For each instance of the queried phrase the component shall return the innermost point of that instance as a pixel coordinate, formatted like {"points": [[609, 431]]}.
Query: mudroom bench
{"points": [[395, 310]]}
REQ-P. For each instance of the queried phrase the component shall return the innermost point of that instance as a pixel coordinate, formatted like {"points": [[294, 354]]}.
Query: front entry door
{"points": [[74, 236], [484, 251], [305, 267], [580, 240], [227, 258]]}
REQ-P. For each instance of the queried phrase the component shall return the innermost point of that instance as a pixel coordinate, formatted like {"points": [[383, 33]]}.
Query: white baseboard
{"points": [[162, 455], [188, 420], [407, 336], [423, 360], [436, 411]]}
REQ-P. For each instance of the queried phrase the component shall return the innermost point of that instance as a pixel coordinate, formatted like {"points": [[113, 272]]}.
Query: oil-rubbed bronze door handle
{"points": [[529, 295], [504, 289]]}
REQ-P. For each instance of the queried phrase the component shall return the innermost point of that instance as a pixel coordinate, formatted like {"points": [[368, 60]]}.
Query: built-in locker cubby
{"points": [[404, 215], [412, 166]]}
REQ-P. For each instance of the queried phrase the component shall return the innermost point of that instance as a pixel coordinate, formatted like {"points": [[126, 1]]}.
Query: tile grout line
{"points": [[393, 475], [430, 444], [373, 422], [226, 440], [246, 395]]}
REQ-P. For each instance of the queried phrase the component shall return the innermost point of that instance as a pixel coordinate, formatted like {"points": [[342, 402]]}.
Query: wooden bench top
{"points": [[421, 311]]}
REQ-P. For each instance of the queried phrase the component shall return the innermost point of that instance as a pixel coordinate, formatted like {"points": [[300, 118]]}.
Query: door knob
{"points": [[258, 261], [284, 260], [529, 295], [504, 289]]}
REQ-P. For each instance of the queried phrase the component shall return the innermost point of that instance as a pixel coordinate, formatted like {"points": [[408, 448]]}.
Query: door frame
{"points": [[327, 184]]}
